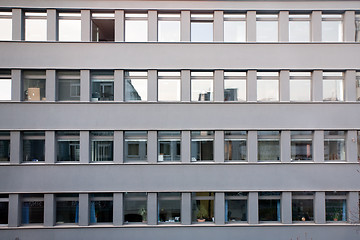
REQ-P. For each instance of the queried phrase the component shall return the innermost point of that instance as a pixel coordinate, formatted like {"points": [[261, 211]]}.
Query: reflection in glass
{"points": [[169, 143], [234, 31], [102, 86], [334, 145], [34, 146], [300, 90], [135, 145], [101, 208], [268, 145], [136, 27], [201, 31], [267, 90], [169, 86], [169, 207], [266, 31], [202, 146], [235, 145], [201, 86], [357, 28], [102, 145], [5, 85], [269, 207], [135, 207], [203, 207], [5, 26], [34, 85], [301, 145], [35, 26], [68, 85], [68, 145], [169, 31], [332, 31], [235, 207], [299, 31], [69, 27], [135, 86], [357, 86], [333, 90], [67, 208]]}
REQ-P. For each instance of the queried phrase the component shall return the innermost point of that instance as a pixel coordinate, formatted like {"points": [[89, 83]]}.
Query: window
{"points": [[102, 86], [236, 207], [135, 207], [5, 84], [267, 27], [169, 27], [235, 145], [103, 27], [301, 145], [235, 86], [4, 146], [234, 27], [268, 145], [5, 26], [357, 28], [302, 206], [335, 206], [101, 208], [202, 146], [35, 26], [333, 86], [68, 85], [202, 86], [67, 208], [358, 145], [268, 86], [334, 145], [135, 145], [136, 86], [169, 209], [299, 28], [358, 86], [68, 145], [69, 26], [169, 86], [202, 27], [34, 146], [102, 146], [32, 209], [169, 143], [203, 207], [300, 86], [4, 208], [34, 85], [332, 28], [136, 27], [269, 207]]}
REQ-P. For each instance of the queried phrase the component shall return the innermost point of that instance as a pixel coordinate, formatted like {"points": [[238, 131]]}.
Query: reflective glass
{"points": [[269, 210], [102, 86], [169, 207], [32, 212], [135, 145], [300, 90], [4, 212], [5, 26], [136, 89], [332, 31], [135, 207], [301, 145], [299, 31], [36, 29], [68, 86], [169, 143], [235, 145], [67, 208], [202, 146], [266, 31], [68, 145], [136, 31], [333, 90], [169, 31], [5, 89], [102, 145], [169, 89], [201, 90], [5, 150], [268, 145], [69, 30], [234, 31], [267, 90], [34, 146], [235, 207], [101, 208], [201, 31], [234, 90]]}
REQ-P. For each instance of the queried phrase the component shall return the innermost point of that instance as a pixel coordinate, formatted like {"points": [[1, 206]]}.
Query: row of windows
{"points": [[135, 206], [136, 86], [169, 146], [169, 27]]}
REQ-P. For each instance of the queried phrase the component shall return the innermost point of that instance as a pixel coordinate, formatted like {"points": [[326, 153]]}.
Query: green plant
{"points": [[202, 212], [143, 213]]}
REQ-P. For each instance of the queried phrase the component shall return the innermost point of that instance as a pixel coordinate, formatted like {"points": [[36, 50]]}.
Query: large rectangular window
{"points": [[135, 145], [4, 208], [34, 85], [300, 86], [269, 207], [234, 27], [101, 208], [102, 146], [169, 27], [333, 86], [268, 145], [169, 86], [335, 206], [102, 27], [169, 143], [302, 206], [202, 27], [358, 86], [301, 145], [68, 85], [136, 85], [357, 28], [202, 86], [267, 86], [136, 27], [169, 207], [102, 86], [34, 146], [35, 26], [236, 207], [235, 86], [299, 28], [202, 207], [135, 208], [235, 145], [32, 210], [5, 26], [67, 208], [358, 145], [332, 28], [5, 85], [4, 146], [334, 145], [267, 28], [202, 146], [68, 145], [69, 26]]}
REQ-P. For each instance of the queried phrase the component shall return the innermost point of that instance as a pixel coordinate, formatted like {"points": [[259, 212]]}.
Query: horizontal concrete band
{"points": [[88, 55], [179, 178], [180, 116]]}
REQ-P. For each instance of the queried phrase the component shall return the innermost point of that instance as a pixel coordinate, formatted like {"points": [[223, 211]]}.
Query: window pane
{"points": [[267, 90], [101, 208], [299, 31], [169, 31], [266, 31], [269, 210], [357, 86], [169, 143], [135, 207], [268, 145], [335, 210], [33, 146], [302, 210], [67, 208], [69, 30], [136, 31], [234, 90], [68, 150], [68, 86], [6, 26], [135, 145], [301, 145], [5, 150], [102, 86], [4, 212], [34, 85], [357, 28], [102, 145], [136, 89], [235, 208], [35, 29], [202, 146], [201, 31], [333, 90], [234, 31], [169, 90], [103, 27], [201, 90], [32, 212], [300, 90], [203, 207], [332, 31], [5, 89], [169, 207]]}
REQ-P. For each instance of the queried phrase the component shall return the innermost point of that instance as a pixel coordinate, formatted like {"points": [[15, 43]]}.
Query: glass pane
{"points": [[169, 31], [102, 86], [34, 86], [268, 150], [334, 149], [301, 149], [135, 89], [69, 30], [67, 212], [333, 90], [201, 31], [135, 146], [135, 207], [68, 86], [34, 150], [235, 210], [300, 90], [5, 29], [332, 31], [335, 210], [266, 31], [357, 30], [5, 89], [101, 212], [299, 31], [35, 29], [68, 150], [102, 150], [136, 31], [32, 212], [269, 210], [234, 31], [169, 207], [203, 210], [169, 143], [201, 90], [234, 90], [202, 150], [4, 150], [103, 29], [168, 90], [4, 212], [235, 150], [302, 210], [267, 90]]}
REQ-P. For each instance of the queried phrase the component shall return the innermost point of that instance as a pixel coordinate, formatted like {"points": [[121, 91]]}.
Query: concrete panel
{"points": [[50, 85], [49, 210], [185, 26], [52, 25], [119, 25], [251, 26], [152, 26], [218, 26], [18, 24], [16, 85], [284, 26], [50, 147]]}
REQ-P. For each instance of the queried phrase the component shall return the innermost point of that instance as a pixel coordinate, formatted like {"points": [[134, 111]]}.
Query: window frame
{"points": [[64, 15], [241, 137], [7, 15], [243, 197], [303, 196], [268, 76], [235, 17], [175, 77], [202, 76], [35, 15], [101, 138], [338, 77], [201, 17], [68, 138], [161, 16], [295, 76], [305, 17], [235, 76]]}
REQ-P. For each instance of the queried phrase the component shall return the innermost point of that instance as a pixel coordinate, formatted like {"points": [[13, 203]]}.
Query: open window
{"points": [[103, 27]]}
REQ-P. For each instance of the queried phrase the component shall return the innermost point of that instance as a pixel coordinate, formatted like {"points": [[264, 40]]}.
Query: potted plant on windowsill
{"points": [[143, 213], [336, 217], [202, 213]]}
